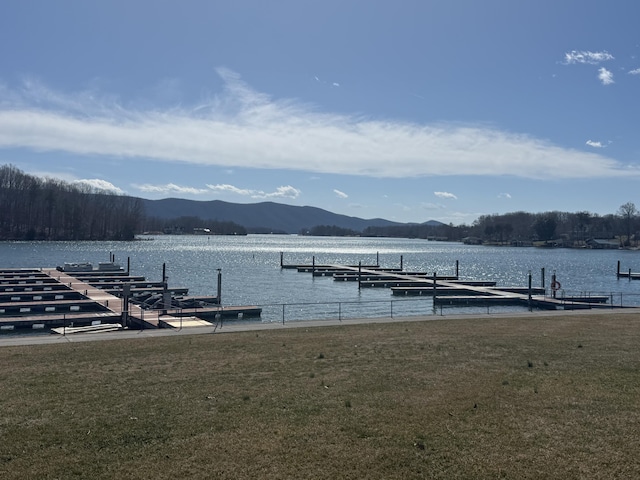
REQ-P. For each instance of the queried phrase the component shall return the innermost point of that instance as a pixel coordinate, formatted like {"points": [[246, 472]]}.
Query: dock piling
{"points": [[529, 295]]}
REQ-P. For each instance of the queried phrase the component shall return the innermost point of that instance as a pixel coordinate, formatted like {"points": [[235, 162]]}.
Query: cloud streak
{"points": [[286, 191], [243, 128], [340, 194], [447, 195], [590, 58]]}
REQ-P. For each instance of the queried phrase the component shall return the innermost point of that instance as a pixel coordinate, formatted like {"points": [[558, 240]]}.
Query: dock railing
{"points": [[424, 306], [399, 308]]}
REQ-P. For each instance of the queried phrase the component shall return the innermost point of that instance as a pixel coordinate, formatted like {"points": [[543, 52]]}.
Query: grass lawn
{"points": [[538, 397]]}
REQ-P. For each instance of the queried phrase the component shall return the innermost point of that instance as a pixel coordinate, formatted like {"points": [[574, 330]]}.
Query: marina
{"points": [[255, 275], [451, 290], [104, 299]]}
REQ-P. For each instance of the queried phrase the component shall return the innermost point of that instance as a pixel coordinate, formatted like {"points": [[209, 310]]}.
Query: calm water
{"points": [[251, 273]]}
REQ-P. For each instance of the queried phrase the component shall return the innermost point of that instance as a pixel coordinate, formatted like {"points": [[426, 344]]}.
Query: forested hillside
{"points": [[33, 208]]}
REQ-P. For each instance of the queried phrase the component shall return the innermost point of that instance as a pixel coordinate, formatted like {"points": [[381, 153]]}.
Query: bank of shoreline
{"points": [[236, 327]]}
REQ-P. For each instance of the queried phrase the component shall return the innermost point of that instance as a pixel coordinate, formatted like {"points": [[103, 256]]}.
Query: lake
{"points": [[251, 273]]}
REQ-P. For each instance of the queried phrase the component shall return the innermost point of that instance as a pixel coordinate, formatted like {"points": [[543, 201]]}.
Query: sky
{"points": [[408, 110]]}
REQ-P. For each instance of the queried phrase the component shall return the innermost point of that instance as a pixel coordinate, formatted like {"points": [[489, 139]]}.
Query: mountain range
{"points": [[264, 216]]}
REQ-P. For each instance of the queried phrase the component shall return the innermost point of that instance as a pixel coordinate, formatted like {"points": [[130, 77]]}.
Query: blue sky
{"points": [[405, 110]]}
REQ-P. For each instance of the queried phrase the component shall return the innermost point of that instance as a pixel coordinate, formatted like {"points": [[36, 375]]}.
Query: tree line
{"points": [[523, 228], [33, 208]]}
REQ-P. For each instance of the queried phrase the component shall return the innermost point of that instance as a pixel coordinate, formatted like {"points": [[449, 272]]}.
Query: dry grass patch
{"points": [[514, 398]]}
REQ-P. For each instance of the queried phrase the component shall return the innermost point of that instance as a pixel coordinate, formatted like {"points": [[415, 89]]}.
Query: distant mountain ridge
{"points": [[268, 216]]}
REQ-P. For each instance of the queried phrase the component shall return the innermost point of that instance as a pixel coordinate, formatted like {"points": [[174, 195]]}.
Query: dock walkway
{"points": [[50, 297], [450, 290]]}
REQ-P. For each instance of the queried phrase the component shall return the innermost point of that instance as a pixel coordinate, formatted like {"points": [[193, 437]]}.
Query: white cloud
{"points": [[504, 195], [242, 128], [225, 188], [97, 184], [605, 76], [281, 192], [169, 188], [591, 58], [594, 144], [634, 72], [340, 194], [445, 195]]}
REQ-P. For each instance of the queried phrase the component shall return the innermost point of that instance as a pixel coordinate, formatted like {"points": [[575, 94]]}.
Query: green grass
{"points": [[547, 397]]}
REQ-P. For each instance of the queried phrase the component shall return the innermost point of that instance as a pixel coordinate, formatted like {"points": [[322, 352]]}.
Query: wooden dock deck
{"points": [[49, 297]]}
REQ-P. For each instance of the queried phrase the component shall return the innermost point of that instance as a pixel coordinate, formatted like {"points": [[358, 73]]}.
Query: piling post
{"points": [[165, 291], [126, 293], [553, 284], [359, 274], [377, 259], [219, 293], [457, 268], [401, 263], [542, 278], [530, 299], [313, 265], [618, 270], [434, 285], [281, 259], [434, 291], [128, 265]]}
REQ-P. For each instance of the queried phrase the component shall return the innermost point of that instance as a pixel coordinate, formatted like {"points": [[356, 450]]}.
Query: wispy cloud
{"points": [[432, 206], [591, 58], [281, 192], [605, 76], [97, 184], [594, 144], [243, 128], [504, 195], [445, 195], [169, 188], [635, 71], [340, 194]]}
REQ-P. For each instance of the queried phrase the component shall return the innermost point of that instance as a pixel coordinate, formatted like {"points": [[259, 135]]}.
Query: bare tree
{"points": [[628, 212]]}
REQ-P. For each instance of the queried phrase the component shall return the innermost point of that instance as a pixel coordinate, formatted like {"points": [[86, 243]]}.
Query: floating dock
{"points": [[76, 301], [449, 289]]}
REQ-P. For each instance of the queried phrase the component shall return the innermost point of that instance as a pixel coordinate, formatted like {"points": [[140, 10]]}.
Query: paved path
{"points": [[239, 326]]}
